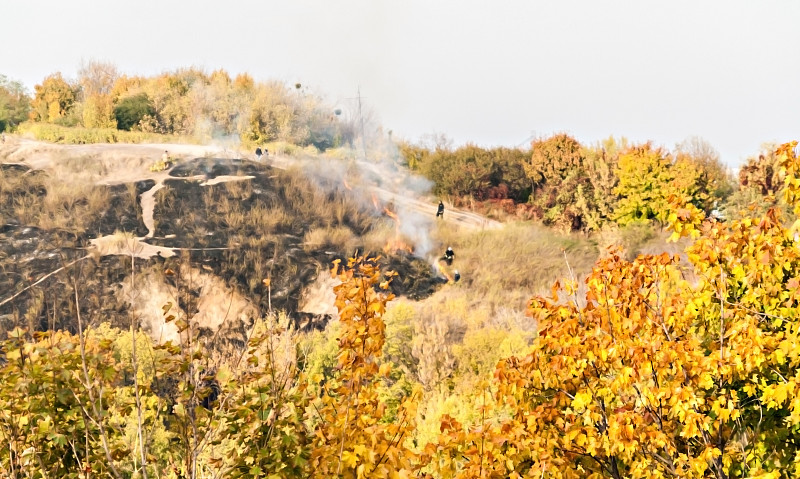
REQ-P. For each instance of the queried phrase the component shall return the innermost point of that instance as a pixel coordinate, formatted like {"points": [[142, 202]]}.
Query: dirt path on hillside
{"points": [[148, 204], [111, 164], [465, 219]]}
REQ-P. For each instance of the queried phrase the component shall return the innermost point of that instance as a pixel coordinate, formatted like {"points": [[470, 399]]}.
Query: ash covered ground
{"points": [[238, 229]]}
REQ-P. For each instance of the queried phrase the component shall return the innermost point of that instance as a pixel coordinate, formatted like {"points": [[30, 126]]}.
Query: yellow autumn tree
{"points": [[648, 177], [662, 370], [53, 99], [97, 80], [351, 438], [644, 175]]}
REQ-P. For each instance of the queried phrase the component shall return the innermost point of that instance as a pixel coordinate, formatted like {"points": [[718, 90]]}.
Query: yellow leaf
{"points": [[349, 459], [582, 399]]}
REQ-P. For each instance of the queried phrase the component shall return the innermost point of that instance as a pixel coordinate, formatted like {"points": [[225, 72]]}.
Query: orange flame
{"points": [[392, 215], [344, 180], [442, 271], [396, 244], [375, 201]]}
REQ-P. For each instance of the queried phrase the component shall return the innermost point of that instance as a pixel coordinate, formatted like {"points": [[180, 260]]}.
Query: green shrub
{"points": [[131, 110], [14, 103]]}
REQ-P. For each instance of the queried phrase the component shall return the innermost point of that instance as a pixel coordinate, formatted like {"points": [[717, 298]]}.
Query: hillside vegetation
{"points": [[638, 372], [643, 325], [266, 235], [189, 104], [581, 188]]}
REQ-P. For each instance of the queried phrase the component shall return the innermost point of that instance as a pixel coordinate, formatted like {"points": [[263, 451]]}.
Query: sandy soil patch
{"points": [[219, 306], [318, 297], [128, 246]]}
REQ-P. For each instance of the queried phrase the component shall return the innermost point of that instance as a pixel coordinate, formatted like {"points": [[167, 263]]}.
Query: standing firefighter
{"points": [[449, 255], [440, 211], [258, 154], [456, 277]]}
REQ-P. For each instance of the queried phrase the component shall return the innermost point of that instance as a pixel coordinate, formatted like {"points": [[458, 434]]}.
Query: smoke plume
{"points": [[373, 174]]}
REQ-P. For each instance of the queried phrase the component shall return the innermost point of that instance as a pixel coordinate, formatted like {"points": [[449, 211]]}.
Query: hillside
{"points": [[209, 343], [74, 216]]}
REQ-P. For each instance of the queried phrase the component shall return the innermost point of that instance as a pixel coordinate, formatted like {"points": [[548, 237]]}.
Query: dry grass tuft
{"points": [[377, 237], [51, 202], [636, 239], [333, 207], [339, 238]]}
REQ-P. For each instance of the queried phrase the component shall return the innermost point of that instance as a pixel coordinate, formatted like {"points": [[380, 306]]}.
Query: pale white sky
{"points": [[488, 72]]}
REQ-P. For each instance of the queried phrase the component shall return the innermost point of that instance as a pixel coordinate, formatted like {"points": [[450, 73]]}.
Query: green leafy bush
{"points": [[130, 111], [14, 103]]}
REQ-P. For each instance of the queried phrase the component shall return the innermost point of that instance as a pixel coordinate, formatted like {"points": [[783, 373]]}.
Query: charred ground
{"points": [[257, 229], [267, 233], [44, 228]]}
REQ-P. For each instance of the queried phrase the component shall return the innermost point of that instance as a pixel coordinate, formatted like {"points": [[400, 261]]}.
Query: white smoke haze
{"points": [[379, 182], [416, 227], [369, 170], [218, 115], [208, 132]]}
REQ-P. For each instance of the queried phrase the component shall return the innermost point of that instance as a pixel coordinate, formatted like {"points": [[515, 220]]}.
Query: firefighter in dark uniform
{"points": [[440, 211], [449, 255]]}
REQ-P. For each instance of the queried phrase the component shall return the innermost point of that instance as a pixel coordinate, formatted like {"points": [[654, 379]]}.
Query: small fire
{"points": [[396, 244], [393, 216], [346, 185], [375, 202], [442, 270]]}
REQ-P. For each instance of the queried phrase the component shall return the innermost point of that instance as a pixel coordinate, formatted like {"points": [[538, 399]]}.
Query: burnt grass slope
{"points": [[45, 224], [244, 231], [250, 230]]}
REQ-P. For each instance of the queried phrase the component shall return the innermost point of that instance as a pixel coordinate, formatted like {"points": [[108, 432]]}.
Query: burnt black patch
{"points": [[415, 278], [213, 167], [249, 232]]}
